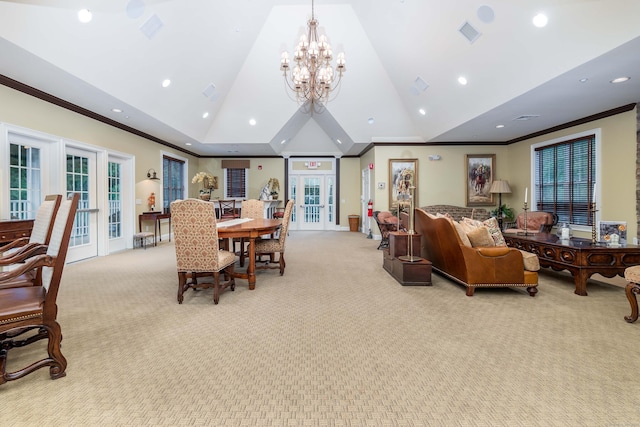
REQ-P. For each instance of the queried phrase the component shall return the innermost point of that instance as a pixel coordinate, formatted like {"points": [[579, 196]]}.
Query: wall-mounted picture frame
{"points": [[479, 173], [402, 174], [608, 228]]}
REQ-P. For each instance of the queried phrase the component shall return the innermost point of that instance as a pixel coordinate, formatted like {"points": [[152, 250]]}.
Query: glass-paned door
{"points": [[315, 202], [81, 178], [25, 181]]}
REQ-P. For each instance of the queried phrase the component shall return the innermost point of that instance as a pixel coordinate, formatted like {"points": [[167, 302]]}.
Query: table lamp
{"points": [[500, 186]]}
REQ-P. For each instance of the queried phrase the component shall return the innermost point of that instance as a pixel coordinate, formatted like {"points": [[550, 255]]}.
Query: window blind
{"points": [[565, 179]]}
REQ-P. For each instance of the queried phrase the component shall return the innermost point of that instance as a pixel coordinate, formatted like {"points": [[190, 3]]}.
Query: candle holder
{"points": [[592, 211], [409, 257], [525, 209]]}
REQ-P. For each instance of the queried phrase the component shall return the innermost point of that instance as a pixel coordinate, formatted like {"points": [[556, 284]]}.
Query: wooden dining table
{"points": [[249, 230]]}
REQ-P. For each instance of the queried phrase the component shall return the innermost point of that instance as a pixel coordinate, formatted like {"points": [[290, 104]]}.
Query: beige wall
{"points": [[617, 192], [439, 182]]}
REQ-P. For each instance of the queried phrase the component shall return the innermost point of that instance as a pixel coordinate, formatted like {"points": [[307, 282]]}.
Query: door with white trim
{"points": [[81, 177]]}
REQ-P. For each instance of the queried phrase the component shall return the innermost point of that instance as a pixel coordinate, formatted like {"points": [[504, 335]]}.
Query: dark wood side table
{"points": [[155, 217], [12, 229]]}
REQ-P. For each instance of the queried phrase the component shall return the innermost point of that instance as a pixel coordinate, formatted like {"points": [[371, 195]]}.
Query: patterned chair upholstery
{"points": [[197, 248], [249, 209], [276, 245]]}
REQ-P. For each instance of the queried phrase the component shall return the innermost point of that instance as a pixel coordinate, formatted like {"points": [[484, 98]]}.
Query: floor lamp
{"points": [[500, 186]]}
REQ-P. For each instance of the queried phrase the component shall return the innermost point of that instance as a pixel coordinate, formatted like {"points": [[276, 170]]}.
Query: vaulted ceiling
{"points": [[222, 57]]}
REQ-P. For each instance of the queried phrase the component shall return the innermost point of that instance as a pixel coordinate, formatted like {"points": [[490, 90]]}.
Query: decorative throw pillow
{"points": [[461, 233], [480, 237], [494, 229], [531, 261]]}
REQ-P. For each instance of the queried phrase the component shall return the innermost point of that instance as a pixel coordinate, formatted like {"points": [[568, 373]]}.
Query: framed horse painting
{"points": [[479, 170]]}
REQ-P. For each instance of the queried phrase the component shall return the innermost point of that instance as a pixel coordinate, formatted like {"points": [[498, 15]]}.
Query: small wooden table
{"points": [[576, 255], [250, 230], [155, 217], [12, 229]]}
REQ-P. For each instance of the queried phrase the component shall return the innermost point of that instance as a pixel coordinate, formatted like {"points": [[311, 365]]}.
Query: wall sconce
{"points": [[151, 174]]}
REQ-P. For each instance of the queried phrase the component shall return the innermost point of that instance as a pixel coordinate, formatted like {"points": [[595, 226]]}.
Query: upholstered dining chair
{"points": [[19, 250], [276, 245], [252, 208], [34, 308], [198, 254], [40, 234]]}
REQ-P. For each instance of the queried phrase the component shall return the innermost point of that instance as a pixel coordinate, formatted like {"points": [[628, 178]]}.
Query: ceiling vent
{"points": [[526, 117], [469, 32], [151, 26], [210, 92]]}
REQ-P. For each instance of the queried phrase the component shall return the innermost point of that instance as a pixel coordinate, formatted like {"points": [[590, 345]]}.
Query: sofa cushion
{"points": [[491, 224], [531, 261], [462, 233], [480, 237]]}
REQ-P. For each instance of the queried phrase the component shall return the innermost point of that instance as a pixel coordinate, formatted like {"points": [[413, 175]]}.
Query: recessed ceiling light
{"points": [[540, 20], [499, 126], [462, 80], [620, 79], [166, 83], [283, 141], [187, 143], [116, 110], [370, 120], [422, 111], [85, 16], [205, 114], [338, 141], [252, 122], [583, 80]]}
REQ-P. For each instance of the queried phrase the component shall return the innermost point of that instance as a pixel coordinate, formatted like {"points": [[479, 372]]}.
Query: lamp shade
{"points": [[500, 186]]}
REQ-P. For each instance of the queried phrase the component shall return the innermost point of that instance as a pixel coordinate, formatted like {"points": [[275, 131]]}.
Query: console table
{"points": [[578, 256], [12, 229], [155, 217]]}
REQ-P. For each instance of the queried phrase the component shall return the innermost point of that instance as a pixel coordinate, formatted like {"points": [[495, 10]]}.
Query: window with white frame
{"points": [[115, 199], [565, 178], [172, 181], [25, 183], [235, 178]]}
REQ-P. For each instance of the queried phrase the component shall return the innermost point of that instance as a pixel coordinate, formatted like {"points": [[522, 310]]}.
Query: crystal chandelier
{"points": [[313, 78]]}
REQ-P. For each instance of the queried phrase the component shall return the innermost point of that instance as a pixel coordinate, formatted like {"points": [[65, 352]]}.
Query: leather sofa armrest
{"points": [[494, 251]]}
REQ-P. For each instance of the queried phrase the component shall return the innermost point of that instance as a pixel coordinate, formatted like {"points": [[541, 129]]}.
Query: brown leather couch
{"points": [[480, 267]]}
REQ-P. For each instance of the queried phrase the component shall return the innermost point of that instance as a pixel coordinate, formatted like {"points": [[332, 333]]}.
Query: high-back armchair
{"points": [[198, 254], [276, 245], [34, 308], [254, 209]]}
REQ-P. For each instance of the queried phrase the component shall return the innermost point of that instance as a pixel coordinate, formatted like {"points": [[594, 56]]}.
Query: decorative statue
{"points": [[264, 193]]}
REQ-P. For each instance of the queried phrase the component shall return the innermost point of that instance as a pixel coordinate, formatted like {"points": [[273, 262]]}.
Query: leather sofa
{"points": [[473, 267]]}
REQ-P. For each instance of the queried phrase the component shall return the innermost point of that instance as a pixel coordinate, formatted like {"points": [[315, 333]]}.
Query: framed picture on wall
{"points": [[479, 172], [403, 173]]}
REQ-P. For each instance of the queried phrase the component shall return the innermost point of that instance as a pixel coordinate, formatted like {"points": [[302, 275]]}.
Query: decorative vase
{"points": [[205, 196]]}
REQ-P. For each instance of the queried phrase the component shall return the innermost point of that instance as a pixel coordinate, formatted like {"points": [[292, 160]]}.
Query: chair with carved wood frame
{"points": [[198, 253], [18, 250], [227, 209], [33, 308], [275, 245]]}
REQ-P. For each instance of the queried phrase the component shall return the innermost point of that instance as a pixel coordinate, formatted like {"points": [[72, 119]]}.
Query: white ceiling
{"points": [[514, 68]]}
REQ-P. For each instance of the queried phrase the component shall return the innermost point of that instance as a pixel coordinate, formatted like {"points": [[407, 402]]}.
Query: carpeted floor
{"points": [[336, 341]]}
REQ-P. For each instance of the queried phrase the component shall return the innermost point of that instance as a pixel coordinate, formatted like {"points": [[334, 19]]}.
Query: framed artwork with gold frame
{"points": [[479, 173], [403, 173]]}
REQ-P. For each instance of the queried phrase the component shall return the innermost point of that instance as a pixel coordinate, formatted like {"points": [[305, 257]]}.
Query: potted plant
{"points": [[507, 213], [274, 185], [207, 183]]}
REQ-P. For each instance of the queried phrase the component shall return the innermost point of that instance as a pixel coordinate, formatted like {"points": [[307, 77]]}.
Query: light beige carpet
{"points": [[336, 341]]}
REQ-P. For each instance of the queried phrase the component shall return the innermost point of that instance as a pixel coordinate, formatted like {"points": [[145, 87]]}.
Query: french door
{"points": [[81, 178], [314, 197]]}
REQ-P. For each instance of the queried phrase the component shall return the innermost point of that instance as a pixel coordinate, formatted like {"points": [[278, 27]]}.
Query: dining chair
{"points": [[227, 209], [248, 209], [34, 308], [198, 253], [19, 250], [275, 245]]}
